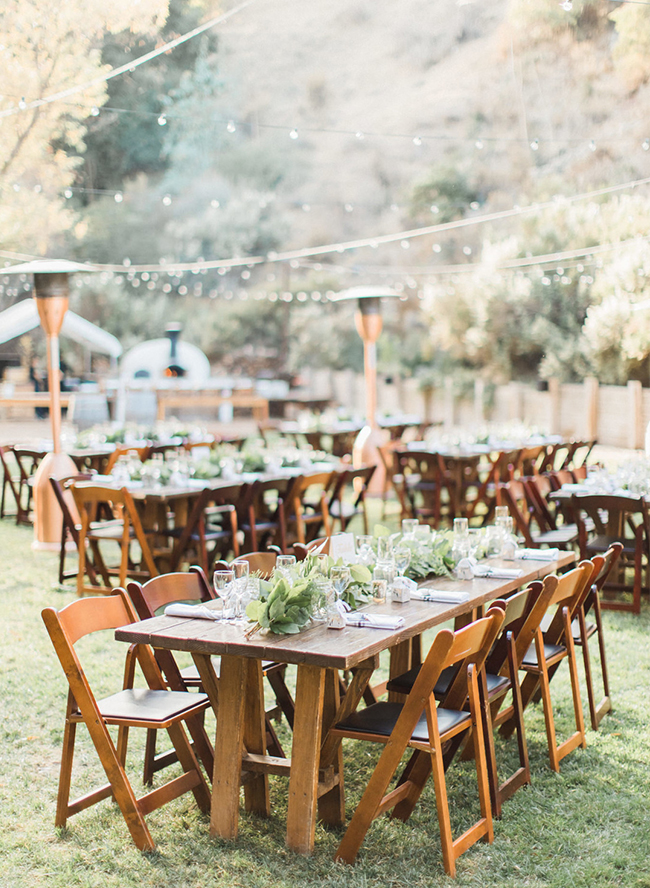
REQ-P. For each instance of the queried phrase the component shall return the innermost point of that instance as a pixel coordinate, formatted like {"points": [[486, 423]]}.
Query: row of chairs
{"points": [[435, 486], [277, 510], [469, 673]]}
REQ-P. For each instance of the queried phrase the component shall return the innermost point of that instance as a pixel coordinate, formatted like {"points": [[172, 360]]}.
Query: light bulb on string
{"points": [[436, 248], [162, 120], [534, 145], [22, 104], [417, 140], [305, 208], [435, 209], [646, 144], [67, 193], [348, 208], [167, 200], [566, 5], [94, 111], [592, 145], [360, 136], [231, 126], [118, 197], [293, 134], [479, 144]]}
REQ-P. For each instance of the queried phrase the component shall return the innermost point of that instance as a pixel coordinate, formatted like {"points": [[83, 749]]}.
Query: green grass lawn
{"points": [[588, 826]]}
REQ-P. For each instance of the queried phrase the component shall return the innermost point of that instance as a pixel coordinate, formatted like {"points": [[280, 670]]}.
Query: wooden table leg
{"points": [[228, 747], [400, 662], [303, 782], [331, 805], [256, 790]]}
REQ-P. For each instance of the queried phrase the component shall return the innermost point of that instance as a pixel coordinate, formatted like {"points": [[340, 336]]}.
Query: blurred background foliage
{"points": [[161, 178]]}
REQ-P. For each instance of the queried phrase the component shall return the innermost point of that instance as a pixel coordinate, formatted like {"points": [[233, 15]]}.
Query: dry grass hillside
{"points": [[451, 71]]}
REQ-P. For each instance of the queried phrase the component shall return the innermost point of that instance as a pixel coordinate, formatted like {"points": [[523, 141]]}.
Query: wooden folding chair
{"points": [[356, 481], [124, 529], [260, 513], [211, 528], [417, 724], [524, 612], [152, 596], [617, 519], [525, 516], [583, 630], [550, 648], [28, 461], [141, 453], [305, 507], [70, 526], [153, 707], [422, 484], [11, 483]]}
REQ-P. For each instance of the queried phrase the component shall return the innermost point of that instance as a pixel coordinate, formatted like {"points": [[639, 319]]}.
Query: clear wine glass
{"points": [[340, 577], [402, 557]]}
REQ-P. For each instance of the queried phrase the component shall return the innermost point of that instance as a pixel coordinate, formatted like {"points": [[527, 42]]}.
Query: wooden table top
{"points": [[330, 648]]}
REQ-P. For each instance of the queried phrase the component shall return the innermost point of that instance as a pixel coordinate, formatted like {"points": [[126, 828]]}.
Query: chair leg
{"points": [[547, 704], [65, 775], [584, 642], [286, 703], [149, 757], [605, 704]]}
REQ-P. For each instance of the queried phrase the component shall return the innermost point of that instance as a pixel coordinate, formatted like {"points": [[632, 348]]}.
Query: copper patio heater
{"points": [[369, 324], [51, 289]]}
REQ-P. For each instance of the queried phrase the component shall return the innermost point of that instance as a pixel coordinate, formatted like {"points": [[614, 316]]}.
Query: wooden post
{"points": [[479, 406], [449, 403], [555, 421], [514, 401], [636, 432], [591, 402]]}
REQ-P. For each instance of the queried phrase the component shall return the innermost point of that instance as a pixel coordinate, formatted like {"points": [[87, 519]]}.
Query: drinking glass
{"points": [[340, 577], [402, 559], [409, 526], [323, 598], [500, 512], [224, 583], [379, 588], [241, 569], [384, 548], [284, 563], [461, 526], [364, 548], [423, 533]]}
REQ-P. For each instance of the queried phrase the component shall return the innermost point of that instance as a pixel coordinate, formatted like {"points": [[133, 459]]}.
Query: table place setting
{"points": [[443, 596], [537, 554]]}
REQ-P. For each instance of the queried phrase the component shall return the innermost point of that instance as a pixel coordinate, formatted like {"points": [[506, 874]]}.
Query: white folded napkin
{"points": [[373, 621], [196, 611], [442, 595], [537, 554], [496, 573]]}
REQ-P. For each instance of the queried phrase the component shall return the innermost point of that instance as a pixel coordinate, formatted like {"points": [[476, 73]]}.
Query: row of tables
{"points": [[315, 770]]}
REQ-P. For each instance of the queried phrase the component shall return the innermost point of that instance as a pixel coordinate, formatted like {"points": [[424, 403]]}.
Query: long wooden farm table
{"points": [[315, 769]]}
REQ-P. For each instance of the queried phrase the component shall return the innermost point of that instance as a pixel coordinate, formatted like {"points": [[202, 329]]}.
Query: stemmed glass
{"points": [[340, 577], [402, 559], [284, 563], [241, 569], [223, 581]]}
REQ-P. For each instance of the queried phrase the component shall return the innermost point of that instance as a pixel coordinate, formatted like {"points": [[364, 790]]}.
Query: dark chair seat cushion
{"points": [[550, 650], [381, 718], [403, 683]]}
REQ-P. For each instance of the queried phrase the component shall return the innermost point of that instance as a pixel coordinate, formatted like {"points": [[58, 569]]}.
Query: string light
{"points": [[417, 140], [162, 120], [231, 126], [646, 144], [293, 134], [118, 197], [534, 145], [94, 111], [129, 66]]}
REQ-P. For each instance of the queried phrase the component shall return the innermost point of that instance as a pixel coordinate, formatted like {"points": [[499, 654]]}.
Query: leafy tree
{"points": [[44, 51], [631, 52]]}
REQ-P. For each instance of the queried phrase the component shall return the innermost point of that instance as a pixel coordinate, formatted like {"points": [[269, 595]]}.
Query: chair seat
{"points": [[550, 651], [403, 683], [381, 718], [568, 533], [602, 543], [149, 706], [590, 627], [107, 530]]}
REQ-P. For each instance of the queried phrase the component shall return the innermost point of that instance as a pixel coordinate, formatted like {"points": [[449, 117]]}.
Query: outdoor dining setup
{"points": [[245, 572]]}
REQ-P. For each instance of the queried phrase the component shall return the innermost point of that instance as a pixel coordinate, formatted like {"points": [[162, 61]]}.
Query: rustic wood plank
{"points": [[228, 748], [303, 783]]}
